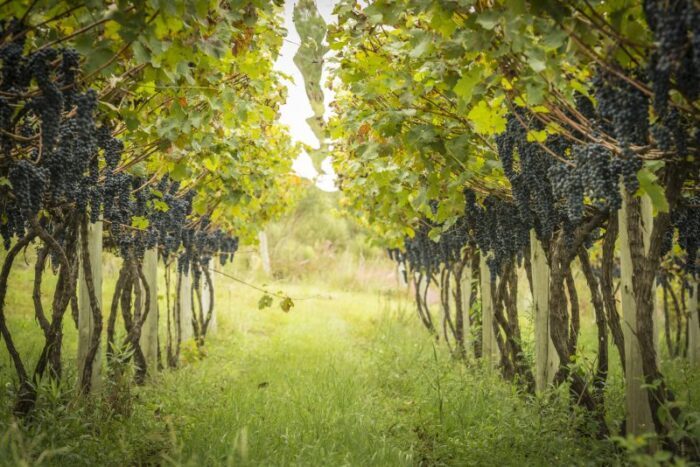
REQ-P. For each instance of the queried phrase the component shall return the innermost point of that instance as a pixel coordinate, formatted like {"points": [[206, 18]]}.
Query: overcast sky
{"points": [[297, 108]]}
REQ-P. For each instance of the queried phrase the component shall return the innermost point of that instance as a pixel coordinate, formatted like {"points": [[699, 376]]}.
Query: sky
{"points": [[297, 108]]}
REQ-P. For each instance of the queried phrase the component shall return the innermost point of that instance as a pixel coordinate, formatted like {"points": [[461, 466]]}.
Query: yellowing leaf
{"points": [[160, 205], [139, 222], [487, 120], [537, 136]]}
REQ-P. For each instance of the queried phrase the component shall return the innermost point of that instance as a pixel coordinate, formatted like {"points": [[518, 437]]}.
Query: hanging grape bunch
{"points": [[49, 137]]}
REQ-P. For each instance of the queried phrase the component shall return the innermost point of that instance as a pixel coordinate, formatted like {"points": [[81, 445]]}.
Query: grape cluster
{"points": [[676, 28], [58, 160], [595, 176], [533, 194], [28, 182], [422, 253], [165, 209], [552, 181], [13, 72], [494, 227], [686, 220], [169, 215], [627, 165], [200, 243], [598, 175], [623, 106], [503, 232], [428, 256], [567, 186], [48, 143], [67, 73]]}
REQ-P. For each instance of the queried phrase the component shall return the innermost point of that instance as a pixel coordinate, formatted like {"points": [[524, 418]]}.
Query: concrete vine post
{"points": [[489, 347], [693, 325], [149, 333], [466, 296], [86, 322], [639, 418], [264, 253], [185, 306], [546, 358]]}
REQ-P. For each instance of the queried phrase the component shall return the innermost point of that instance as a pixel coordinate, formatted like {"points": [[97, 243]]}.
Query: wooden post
{"points": [[546, 357], [264, 252], [639, 418], [149, 332], [86, 323], [466, 289], [489, 347], [402, 274], [694, 324], [185, 297]]}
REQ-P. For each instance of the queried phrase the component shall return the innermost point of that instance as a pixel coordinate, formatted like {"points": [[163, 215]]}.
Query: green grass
{"points": [[345, 378]]}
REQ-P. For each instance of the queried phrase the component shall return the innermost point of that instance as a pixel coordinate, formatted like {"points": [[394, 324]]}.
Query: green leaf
{"points": [[442, 21], [141, 54], [536, 59], [554, 38], [286, 304], [459, 146], [131, 120], [488, 19], [422, 47], [649, 185], [465, 86], [535, 93], [265, 302]]}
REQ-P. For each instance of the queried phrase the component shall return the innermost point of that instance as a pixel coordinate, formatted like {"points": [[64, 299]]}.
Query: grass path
{"points": [[347, 382], [340, 380], [297, 388]]}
